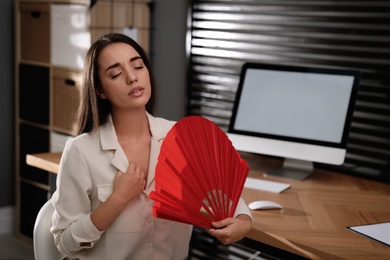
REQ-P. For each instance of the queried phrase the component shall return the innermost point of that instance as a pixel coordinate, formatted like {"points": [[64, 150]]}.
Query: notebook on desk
{"points": [[378, 232]]}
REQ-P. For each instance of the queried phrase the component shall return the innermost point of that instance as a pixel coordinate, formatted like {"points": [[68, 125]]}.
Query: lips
{"points": [[136, 91]]}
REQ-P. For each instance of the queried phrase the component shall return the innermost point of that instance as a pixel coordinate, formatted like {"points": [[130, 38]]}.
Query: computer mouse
{"points": [[264, 204]]}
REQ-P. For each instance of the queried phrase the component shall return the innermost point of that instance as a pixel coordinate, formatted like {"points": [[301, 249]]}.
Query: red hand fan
{"points": [[199, 175]]}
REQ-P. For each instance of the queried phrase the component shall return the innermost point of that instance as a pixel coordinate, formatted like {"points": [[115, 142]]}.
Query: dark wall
{"points": [[7, 178], [168, 56]]}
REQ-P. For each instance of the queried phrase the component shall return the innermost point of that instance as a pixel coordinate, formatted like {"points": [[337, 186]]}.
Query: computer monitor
{"points": [[302, 114]]}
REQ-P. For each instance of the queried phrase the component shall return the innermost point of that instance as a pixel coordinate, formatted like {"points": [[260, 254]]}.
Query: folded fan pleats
{"points": [[199, 174]]}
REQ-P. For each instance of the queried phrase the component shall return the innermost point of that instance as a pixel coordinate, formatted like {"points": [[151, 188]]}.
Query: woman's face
{"points": [[124, 77]]}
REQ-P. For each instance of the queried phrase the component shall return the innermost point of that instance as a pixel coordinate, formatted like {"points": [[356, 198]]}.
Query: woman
{"points": [[102, 208]]}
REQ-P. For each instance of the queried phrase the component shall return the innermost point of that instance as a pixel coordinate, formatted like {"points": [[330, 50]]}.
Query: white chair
{"points": [[44, 247]]}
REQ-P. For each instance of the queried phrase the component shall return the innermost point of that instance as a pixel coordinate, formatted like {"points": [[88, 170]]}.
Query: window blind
{"points": [[337, 34]]}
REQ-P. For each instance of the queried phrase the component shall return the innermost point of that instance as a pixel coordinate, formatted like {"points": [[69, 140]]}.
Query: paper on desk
{"points": [[379, 232]]}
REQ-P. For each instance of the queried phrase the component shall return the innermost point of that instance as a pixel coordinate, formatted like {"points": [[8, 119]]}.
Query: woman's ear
{"points": [[101, 94]]}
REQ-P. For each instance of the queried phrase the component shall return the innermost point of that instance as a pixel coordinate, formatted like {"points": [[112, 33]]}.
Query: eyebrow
{"points": [[117, 64]]}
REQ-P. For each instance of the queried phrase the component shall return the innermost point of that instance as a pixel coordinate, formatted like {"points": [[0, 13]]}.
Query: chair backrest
{"points": [[44, 247]]}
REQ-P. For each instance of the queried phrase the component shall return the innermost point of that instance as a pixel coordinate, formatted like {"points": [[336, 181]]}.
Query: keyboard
{"points": [[265, 185]]}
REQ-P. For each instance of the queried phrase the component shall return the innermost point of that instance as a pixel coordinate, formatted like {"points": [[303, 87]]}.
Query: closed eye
{"points": [[116, 75]]}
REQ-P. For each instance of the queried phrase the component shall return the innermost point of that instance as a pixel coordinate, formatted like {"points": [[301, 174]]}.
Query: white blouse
{"points": [[85, 180]]}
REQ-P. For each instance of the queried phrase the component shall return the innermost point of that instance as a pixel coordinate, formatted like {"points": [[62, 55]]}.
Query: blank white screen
{"points": [[304, 105]]}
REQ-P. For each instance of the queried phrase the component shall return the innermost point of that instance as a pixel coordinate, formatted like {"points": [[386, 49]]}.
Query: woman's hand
{"points": [[126, 187], [231, 230], [129, 184]]}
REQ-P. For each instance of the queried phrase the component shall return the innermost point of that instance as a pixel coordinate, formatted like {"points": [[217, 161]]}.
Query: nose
{"points": [[130, 77]]}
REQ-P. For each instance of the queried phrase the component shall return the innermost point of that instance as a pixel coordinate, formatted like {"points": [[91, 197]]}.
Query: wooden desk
{"points": [[315, 211], [45, 161]]}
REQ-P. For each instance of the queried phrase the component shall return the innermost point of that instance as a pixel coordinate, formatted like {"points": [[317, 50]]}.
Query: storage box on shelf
{"points": [[34, 31], [66, 92]]}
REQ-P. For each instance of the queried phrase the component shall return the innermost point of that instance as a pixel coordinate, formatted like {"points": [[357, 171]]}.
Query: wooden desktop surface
{"points": [[315, 211], [45, 161]]}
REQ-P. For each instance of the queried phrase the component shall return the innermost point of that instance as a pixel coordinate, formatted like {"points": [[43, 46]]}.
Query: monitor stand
{"points": [[293, 169]]}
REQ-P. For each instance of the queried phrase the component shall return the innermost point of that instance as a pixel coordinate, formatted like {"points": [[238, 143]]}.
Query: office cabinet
{"points": [[52, 38]]}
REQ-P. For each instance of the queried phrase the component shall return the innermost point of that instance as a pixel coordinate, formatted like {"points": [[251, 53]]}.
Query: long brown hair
{"points": [[93, 110]]}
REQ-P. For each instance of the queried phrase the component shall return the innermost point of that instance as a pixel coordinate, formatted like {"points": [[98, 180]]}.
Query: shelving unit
{"points": [[52, 38]]}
